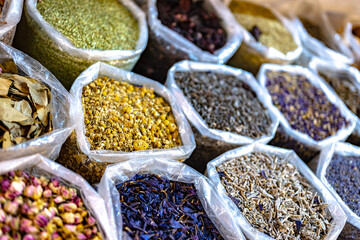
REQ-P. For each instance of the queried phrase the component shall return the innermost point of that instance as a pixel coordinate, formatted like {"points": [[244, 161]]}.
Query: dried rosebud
{"points": [[69, 228], [78, 201], [56, 236], [65, 192], [68, 207], [4, 238], [94, 230], [58, 221], [68, 218], [35, 181], [15, 223], [37, 192], [88, 232], [44, 235], [29, 237], [24, 224], [11, 207], [16, 236], [2, 200], [5, 229], [2, 215], [78, 218], [17, 187], [47, 193], [5, 184], [91, 221], [59, 199], [33, 211], [29, 191], [31, 229], [41, 220], [81, 236]]}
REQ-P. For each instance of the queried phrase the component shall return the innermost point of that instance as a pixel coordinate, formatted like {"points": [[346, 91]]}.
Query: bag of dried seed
{"points": [[121, 115], [268, 36], [34, 108], [44, 200], [68, 36], [178, 30], [226, 106], [178, 202], [272, 194], [10, 14], [311, 114]]}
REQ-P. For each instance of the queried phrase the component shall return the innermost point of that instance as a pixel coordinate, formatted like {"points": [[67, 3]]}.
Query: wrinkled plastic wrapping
{"points": [[338, 215], [166, 47], [50, 143], [299, 137], [251, 54], [38, 38], [326, 155], [38, 165], [172, 170], [11, 14], [77, 114]]}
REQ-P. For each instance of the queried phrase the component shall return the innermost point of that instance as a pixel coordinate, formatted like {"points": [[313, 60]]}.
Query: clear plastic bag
{"points": [[302, 139], [38, 38], [326, 155], [38, 165], [350, 38], [250, 232], [102, 69], [251, 54], [11, 14], [50, 143], [166, 47], [171, 170]]}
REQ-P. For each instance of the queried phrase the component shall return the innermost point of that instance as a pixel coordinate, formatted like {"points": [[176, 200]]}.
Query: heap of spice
{"points": [[190, 19], [265, 27], [225, 103], [274, 197], [173, 210], [123, 117], [24, 108], [343, 174], [40, 208], [305, 107]]}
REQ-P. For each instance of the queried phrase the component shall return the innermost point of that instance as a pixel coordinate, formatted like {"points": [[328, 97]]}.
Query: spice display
{"points": [[304, 106], [225, 103], [343, 174], [173, 210], [356, 33], [24, 108], [123, 117], [274, 197], [40, 208], [263, 25]]}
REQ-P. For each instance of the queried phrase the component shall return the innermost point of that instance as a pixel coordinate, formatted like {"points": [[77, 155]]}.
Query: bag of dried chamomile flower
{"points": [[268, 36], [311, 113], [69, 36], [49, 201], [10, 14], [120, 115], [261, 183], [34, 115], [179, 30], [179, 202], [226, 107]]}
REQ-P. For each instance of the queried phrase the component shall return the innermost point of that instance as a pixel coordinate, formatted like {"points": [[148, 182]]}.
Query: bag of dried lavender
{"points": [[339, 170], [311, 114], [34, 108], [268, 36], [121, 115], [68, 36], [10, 14], [272, 194], [43, 200], [199, 30], [164, 199]]}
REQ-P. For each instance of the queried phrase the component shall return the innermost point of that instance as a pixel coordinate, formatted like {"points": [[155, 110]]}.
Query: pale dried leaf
{"points": [[42, 114], [4, 86], [24, 107], [39, 94], [8, 113], [7, 101], [6, 141], [14, 128]]}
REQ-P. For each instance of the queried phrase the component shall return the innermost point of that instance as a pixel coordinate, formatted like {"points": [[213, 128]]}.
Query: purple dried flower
{"points": [[47, 193], [24, 224], [41, 220], [91, 221], [81, 236], [29, 191], [29, 237], [5, 184], [70, 228], [4, 238], [35, 181], [59, 199], [2, 215], [11, 207]]}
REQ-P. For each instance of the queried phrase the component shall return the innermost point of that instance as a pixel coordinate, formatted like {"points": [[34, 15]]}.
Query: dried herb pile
{"points": [[304, 106], [153, 207], [24, 108], [40, 208], [190, 19], [225, 103], [123, 117], [263, 25], [343, 174], [274, 197]]}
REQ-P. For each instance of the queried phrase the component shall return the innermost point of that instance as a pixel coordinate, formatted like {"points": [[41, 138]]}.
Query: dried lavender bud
{"points": [[173, 210], [282, 204], [225, 103], [343, 174], [304, 106]]}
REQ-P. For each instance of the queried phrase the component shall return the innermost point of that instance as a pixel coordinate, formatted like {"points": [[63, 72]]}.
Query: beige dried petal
{"points": [[6, 140], [39, 94], [8, 113], [24, 107], [4, 86], [43, 114]]}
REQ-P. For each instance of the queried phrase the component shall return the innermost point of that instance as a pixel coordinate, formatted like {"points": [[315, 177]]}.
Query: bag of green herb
{"points": [[69, 36], [345, 82], [226, 106], [268, 36], [10, 14], [48, 200], [259, 183], [205, 33], [177, 200], [338, 169], [311, 114], [34, 115]]}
